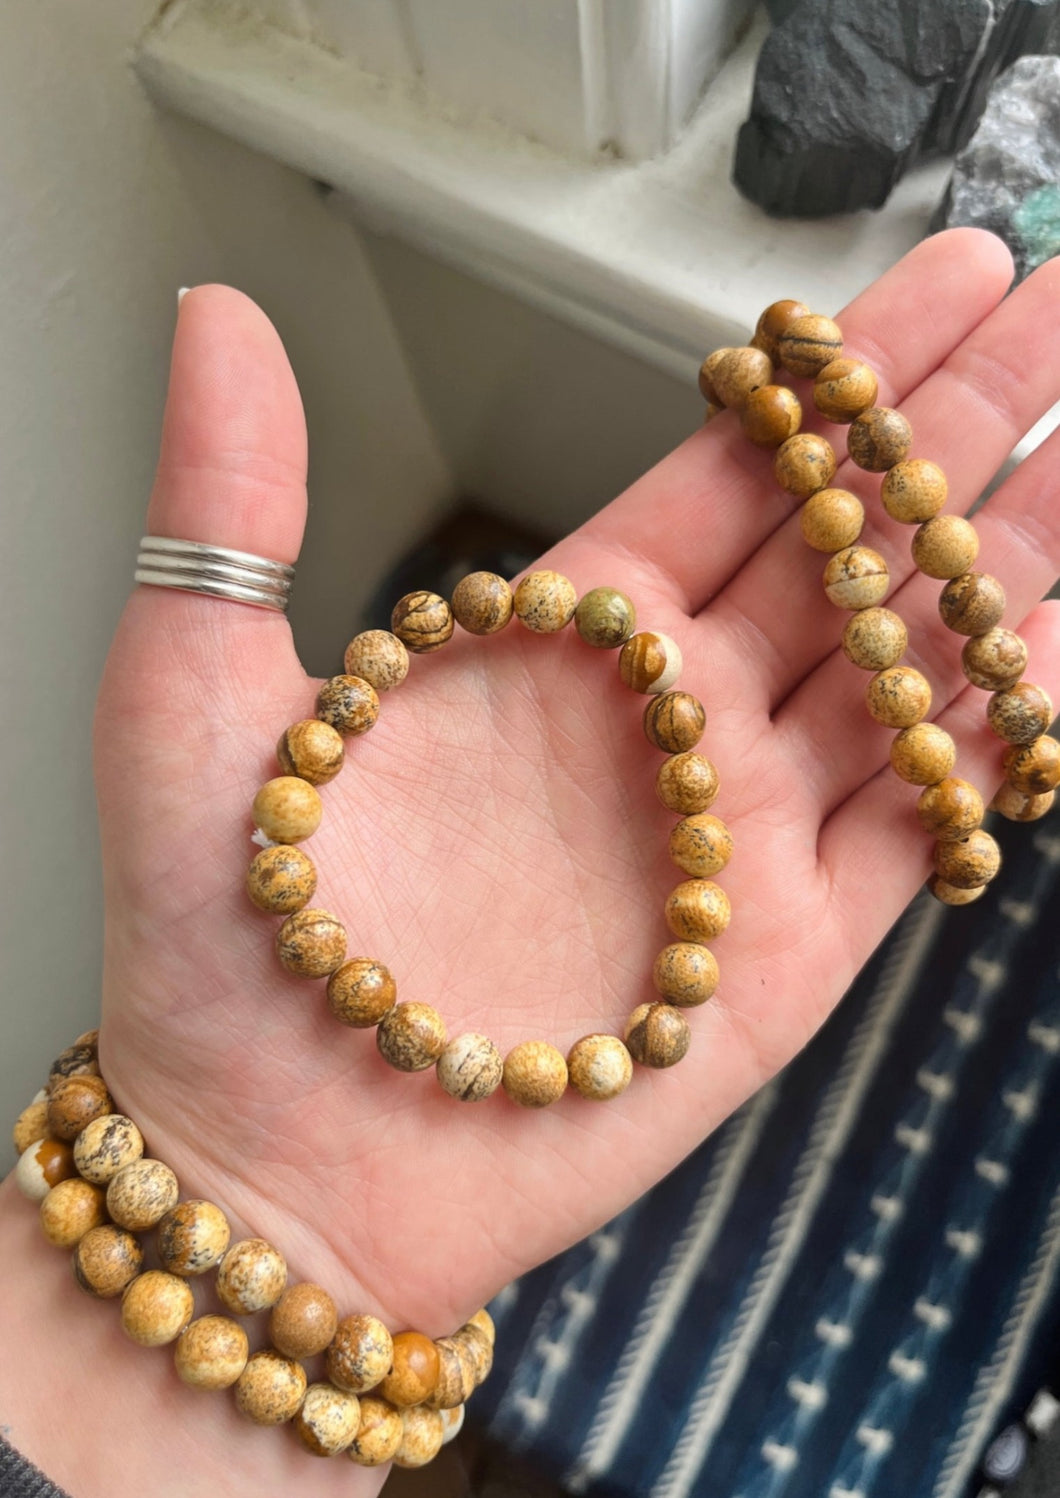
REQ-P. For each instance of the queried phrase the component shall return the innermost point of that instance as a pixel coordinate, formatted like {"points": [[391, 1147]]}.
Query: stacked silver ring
{"points": [[217, 571]]}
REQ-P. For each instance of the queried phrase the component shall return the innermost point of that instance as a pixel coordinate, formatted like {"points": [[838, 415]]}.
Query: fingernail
{"points": [[182, 292]]}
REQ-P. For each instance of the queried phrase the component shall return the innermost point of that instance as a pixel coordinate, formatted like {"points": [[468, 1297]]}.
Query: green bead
{"points": [[605, 618]]}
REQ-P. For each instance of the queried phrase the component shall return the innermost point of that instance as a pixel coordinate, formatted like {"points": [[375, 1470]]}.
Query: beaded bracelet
{"points": [[385, 1398], [361, 992], [944, 547]]}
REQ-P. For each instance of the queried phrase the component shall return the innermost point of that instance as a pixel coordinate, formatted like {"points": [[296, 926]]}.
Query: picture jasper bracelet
{"points": [[381, 1398], [361, 991]]}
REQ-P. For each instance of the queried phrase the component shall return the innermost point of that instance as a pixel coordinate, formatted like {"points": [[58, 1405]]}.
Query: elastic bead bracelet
{"points": [[361, 991], [382, 1397]]}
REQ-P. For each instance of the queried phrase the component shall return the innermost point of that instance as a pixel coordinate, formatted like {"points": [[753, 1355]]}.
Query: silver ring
{"points": [[217, 571]]}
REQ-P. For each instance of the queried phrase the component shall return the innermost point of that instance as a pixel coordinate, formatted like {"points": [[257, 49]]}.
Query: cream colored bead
{"points": [[211, 1352], [535, 1074], [378, 1434], [42, 1165], [470, 1068], [1017, 806], [287, 809], [898, 697], [107, 1145], [377, 657], [856, 578], [832, 520], [650, 662], [599, 1067], [193, 1237], [141, 1194], [271, 1388], [328, 1420], [421, 1437], [697, 910], [452, 1423], [251, 1277], [545, 601], [360, 1354], [156, 1307]]}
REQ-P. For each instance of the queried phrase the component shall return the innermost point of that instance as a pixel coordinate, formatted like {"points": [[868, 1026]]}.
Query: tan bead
{"points": [[303, 1321], [994, 661], [484, 1321], [735, 372], [949, 894], [470, 1068], [349, 705], [311, 750], [945, 547], [875, 639], [535, 1074], [914, 492], [156, 1307], [649, 662], [377, 657], [674, 721], [42, 1165], [809, 343], [211, 1352], [687, 783], [422, 621], [378, 1435], [771, 415], [287, 809], [972, 603], [70, 1210], [452, 1423], [898, 697], [251, 1277], [480, 1347], [359, 1354], [972, 861], [413, 1375], [360, 992], [856, 578], [271, 1388], [281, 880], [1017, 806], [657, 1035], [879, 438], [74, 1102], [706, 379], [1033, 768], [411, 1036], [599, 1067], [456, 1374], [685, 973], [804, 464], [950, 810], [832, 519], [311, 943], [141, 1194], [1020, 714], [89, 1038], [482, 603], [697, 910], [701, 845], [923, 754], [106, 1146], [192, 1238], [545, 601], [843, 389], [105, 1260], [78, 1060], [328, 1419], [421, 1437], [774, 322], [605, 618], [30, 1126]]}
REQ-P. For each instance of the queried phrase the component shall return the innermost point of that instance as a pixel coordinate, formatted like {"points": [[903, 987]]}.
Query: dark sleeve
{"points": [[21, 1479]]}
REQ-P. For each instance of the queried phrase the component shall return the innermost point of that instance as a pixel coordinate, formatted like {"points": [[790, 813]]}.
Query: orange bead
{"points": [[413, 1376]]}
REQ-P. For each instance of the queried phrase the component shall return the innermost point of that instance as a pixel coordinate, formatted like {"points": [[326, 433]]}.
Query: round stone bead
{"points": [[545, 601], [482, 603], [599, 1067], [422, 621], [74, 1102], [674, 721], [105, 1260], [808, 344], [156, 1307], [831, 520], [856, 578], [193, 1237], [535, 1074], [923, 754], [251, 1277], [311, 943], [686, 974], [470, 1068], [1020, 714], [413, 1375], [456, 1374], [377, 657], [949, 894], [328, 1419], [42, 1165], [843, 389], [706, 380], [1033, 768], [360, 1354], [484, 1321], [879, 438], [649, 662], [90, 1039], [771, 415], [452, 1423], [211, 1352], [1017, 806], [281, 880], [697, 910], [950, 810], [421, 1437], [303, 1321], [657, 1035], [875, 639], [734, 373], [271, 1388], [945, 547], [898, 697], [411, 1036], [287, 809], [994, 661], [70, 1210], [360, 992], [804, 464], [480, 1347], [78, 1060], [106, 1146], [378, 1435], [687, 783], [31, 1125], [774, 322], [972, 603], [972, 861], [141, 1194], [605, 618], [701, 845], [311, 750], [914, 492], [348, 704]]}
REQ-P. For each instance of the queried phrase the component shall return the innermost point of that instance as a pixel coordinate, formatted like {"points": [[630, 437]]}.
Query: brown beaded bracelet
{"points": [[382, 1398], [945, 547], [361, 992]]}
